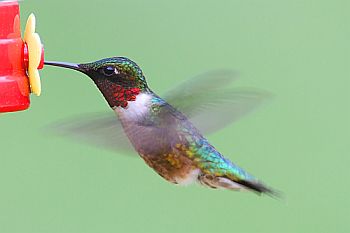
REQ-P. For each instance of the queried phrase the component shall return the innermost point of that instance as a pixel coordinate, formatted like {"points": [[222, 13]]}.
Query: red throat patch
{"points": [[123, 95]]}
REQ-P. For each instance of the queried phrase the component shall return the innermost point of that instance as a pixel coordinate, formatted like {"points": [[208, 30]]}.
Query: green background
{"points": [[299, 142]]}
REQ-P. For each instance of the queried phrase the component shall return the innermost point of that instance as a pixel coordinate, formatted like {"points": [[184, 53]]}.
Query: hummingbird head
{"points": [[118, 78]]}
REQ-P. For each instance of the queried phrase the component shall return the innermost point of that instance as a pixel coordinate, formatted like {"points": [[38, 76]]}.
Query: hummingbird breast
{"points": [[152, 127]]}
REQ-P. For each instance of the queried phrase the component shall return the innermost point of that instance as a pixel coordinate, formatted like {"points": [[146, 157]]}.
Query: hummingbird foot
{"points": [[219, 182]]}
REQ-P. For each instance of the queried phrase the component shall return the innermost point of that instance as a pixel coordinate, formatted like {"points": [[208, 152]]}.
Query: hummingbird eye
{"points": [[109, 70]]}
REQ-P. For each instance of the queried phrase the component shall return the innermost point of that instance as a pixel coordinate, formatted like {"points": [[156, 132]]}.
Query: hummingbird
{"points": [[162, 135]]}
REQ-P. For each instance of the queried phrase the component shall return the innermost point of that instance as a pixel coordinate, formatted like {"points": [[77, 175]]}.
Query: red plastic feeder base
{"points": [[14, 84]]}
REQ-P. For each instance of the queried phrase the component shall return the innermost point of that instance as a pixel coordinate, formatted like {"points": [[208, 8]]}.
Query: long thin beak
{"points": [[67, 65]]}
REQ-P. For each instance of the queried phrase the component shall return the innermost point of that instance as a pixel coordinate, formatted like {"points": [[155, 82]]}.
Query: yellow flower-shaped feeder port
{"points": [[35, 55]]}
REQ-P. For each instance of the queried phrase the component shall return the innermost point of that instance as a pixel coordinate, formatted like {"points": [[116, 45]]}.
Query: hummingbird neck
{"points": [[118, 95], [136, 110], [122, 96]]}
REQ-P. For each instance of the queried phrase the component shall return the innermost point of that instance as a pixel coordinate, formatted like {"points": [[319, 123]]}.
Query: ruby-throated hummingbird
{"points": [[163, 136]]}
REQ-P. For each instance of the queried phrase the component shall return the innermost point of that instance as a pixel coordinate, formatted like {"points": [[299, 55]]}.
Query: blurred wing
{"points": [[218, 109], [194, 91], [211, 104], [207, 100], [160, 133], [101, 130]]}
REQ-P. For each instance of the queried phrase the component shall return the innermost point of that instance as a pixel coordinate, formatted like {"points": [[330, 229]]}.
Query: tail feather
{"points": [[260, 188]]}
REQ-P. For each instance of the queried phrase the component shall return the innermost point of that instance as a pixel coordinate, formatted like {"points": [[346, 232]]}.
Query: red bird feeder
{"points": [[19, 59]]}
